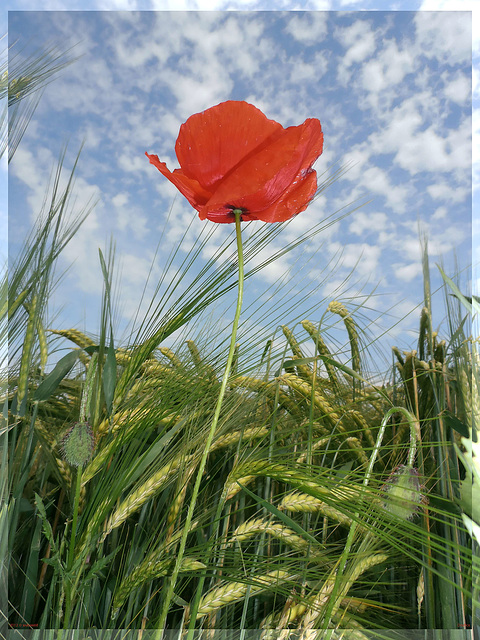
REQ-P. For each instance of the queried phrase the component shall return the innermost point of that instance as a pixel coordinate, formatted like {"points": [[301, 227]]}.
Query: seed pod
{"points": [[403, 493], [78, 444]]}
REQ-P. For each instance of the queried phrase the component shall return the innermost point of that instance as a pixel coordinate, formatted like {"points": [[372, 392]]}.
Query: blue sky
{"points": [[391, 88]]}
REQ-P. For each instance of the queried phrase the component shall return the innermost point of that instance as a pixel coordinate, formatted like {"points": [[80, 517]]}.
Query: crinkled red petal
{"points": [[212, 143], [190, 188], [294, 200]]}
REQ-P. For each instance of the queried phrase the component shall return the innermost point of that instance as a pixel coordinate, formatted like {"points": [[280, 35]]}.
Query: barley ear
{"points": [[341, 310], [27, 350], [322, 350], [235, 591], [149, 569], [304, 390], [139, 497], [75, 336], [42, 344], [168, 353], [302, 369]]}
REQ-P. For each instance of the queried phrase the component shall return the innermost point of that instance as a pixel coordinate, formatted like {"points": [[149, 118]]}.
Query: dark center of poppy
{"points": [[237, 210]]}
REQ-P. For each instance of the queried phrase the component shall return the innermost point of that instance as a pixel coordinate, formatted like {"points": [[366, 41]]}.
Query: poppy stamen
{"points": [[235, 211]]}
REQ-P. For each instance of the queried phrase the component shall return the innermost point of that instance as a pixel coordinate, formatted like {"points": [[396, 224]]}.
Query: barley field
{"points": [[294, 493]]}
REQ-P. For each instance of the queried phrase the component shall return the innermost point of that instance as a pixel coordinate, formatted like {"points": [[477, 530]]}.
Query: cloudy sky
{"points": [[392, 89]]}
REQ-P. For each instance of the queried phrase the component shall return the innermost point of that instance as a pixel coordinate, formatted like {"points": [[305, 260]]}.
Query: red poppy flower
{"points": [[232, 156]]}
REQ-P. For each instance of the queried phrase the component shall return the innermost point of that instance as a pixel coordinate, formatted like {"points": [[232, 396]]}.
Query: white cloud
{"points": [[445, 192], [407, 272], [458, 5], [311, 71], [387, 69], [135, 272], [201, 74], [120, 199], [447, 239], [443, 239], [335, 287], [378, 181], [208, 85], [134, 162], [367, 223], [440, 213], [448, 40], [308, 28], [427, 150], [369, 179], [400, 125], [419, 148], [359, 41], [458, 89], [82, 251], [394, 116], [361, 257], [408, 245], [130, 218], [476, 147]]}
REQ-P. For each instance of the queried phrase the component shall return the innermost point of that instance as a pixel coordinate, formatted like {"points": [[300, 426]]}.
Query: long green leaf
{"points": [[466, 303], [51, 382]]}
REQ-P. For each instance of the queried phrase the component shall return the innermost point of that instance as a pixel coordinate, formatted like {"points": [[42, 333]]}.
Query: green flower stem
{"points": [[203, 461], [332, 604], [76, 504], [69, 589]]}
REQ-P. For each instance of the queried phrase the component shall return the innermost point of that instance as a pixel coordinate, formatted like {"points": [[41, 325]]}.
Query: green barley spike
{"points": [[195, 353], [27, 352], [42, 343], [423, 332], [168, 353], [322, 349], [303, 369], [342, 311]]}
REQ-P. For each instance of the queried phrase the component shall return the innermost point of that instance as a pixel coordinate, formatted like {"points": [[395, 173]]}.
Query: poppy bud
{"points": [[403, 493], [78, 444]]}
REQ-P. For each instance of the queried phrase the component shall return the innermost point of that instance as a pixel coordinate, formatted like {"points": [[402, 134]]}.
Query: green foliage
{"points": [[283, 504], [22, 80]]}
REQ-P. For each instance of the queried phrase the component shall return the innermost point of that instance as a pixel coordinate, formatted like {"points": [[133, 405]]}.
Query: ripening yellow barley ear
{"points": [[75, 336]]}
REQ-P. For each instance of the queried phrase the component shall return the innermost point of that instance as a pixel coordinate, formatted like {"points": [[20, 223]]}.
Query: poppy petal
{"points": [[294, 200], [258, 182], [212, 143], [190, 188], [233, 157]]}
